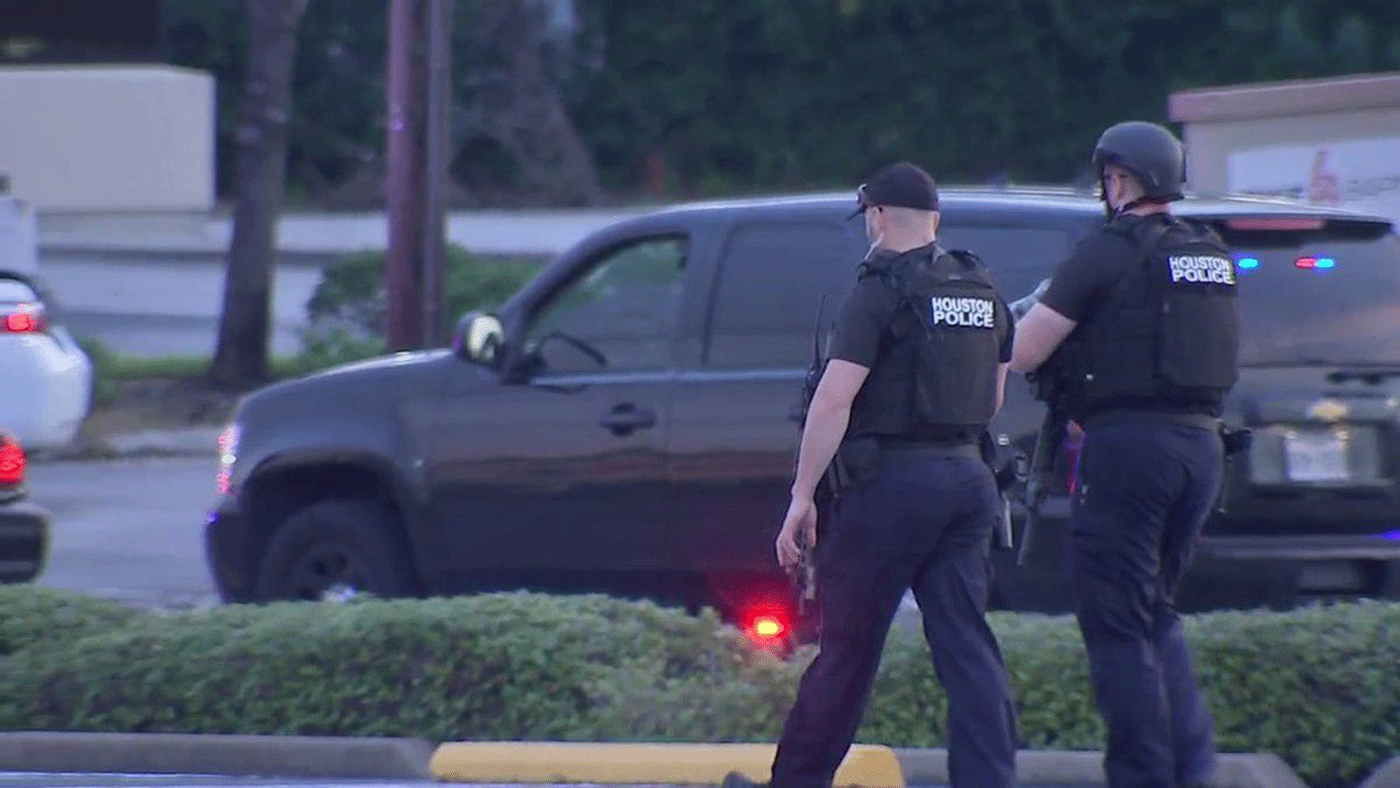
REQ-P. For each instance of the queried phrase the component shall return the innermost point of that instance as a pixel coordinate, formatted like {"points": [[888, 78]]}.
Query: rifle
{"points": [[1006, 474], [1040, 474]]}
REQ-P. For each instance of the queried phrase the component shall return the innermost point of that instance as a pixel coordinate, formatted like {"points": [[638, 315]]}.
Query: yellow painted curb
{"points": [[675, 764]]}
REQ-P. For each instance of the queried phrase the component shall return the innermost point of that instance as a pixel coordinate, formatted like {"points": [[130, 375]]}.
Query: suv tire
{"points": [[336, 548]]}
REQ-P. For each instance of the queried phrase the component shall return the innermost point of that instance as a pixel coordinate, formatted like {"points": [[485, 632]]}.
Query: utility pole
{"points": [[439, 107], [404, 182]]}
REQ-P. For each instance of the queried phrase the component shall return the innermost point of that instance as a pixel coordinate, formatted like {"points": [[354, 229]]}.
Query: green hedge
{"points": [[31, 616], [1318, 687]]}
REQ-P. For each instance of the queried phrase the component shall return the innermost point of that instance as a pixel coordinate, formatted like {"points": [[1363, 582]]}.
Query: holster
{"points": [[1235, 442], [857, 463]]}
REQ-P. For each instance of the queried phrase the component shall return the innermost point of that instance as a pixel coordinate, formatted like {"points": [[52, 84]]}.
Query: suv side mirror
{"points": [[479, 338]]}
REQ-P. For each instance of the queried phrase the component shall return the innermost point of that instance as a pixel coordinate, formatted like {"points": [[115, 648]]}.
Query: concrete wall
{"points": [[19, 241], [1327, 141], [112, 138]]}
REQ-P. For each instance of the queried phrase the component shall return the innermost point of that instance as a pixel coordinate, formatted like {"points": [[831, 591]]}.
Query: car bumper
{"points": [[228, 551], [24, 541], [1226, 571], [1283, 570]]}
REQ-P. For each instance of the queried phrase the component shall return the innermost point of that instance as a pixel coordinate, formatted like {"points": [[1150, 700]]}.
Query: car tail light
{"points": [[11, 463], [24, 319], [228, 454], [767, 628]]}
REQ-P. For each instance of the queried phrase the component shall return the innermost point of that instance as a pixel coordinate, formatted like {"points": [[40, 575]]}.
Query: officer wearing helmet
{"points": [[1143, 314]]}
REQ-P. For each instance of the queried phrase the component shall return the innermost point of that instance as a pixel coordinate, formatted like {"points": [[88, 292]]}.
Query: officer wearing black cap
{"points": [[917, 361], [1144, 313]]}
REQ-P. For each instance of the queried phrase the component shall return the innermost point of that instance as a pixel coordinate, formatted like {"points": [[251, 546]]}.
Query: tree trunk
{"points": [[241, 355]]}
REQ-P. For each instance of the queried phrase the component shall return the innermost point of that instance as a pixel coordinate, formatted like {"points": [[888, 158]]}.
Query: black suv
{"points": [[624, 422]]}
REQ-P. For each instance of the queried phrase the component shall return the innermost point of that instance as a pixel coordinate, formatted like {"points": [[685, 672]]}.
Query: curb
{"points": [[674, 764], [1386, 776], [1075, 767], [384, 758], [179, 753]]}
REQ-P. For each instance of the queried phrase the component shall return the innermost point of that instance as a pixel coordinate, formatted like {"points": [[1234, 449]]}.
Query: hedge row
{"points": [[1319, 687]]}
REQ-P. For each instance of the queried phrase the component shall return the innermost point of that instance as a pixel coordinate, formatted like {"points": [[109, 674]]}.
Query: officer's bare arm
{"points": [[1037, 335], [827, 419]]}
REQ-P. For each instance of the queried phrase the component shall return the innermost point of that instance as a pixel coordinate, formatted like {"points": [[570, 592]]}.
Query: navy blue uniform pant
{"points": [[1145, 490], [923, 524]]}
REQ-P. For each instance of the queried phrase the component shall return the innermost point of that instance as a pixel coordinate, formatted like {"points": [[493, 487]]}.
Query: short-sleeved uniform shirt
{"points": [[1081, 283], [863, 334]]}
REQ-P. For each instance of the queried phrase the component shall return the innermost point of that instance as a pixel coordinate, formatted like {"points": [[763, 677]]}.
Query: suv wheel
{"points": [[334, 550]]}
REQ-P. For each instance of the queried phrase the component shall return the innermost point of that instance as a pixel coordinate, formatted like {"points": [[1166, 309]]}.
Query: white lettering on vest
{"points": [[962, 312], [1202, 269]]}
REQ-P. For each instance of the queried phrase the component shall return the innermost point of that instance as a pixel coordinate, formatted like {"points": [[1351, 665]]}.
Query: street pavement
{"points": [[132, 529]]}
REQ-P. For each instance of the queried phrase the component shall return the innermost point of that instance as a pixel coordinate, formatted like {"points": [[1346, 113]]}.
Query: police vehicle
{"points": [[623, 423]]}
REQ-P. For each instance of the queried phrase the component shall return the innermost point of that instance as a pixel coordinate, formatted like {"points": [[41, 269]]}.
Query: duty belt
{"points": [[917, 449], [1138, 416]]}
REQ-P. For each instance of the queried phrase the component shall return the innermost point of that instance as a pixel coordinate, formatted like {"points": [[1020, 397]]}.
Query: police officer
{"points": [[917, 360], [1145, 310]]}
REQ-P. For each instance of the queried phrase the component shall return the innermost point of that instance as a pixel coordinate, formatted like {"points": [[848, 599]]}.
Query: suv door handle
{"points": [[623, 419]]}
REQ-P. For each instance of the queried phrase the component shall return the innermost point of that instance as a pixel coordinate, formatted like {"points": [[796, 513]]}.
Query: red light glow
{"points": [[11, 463], [28, 319], [766, 628]]}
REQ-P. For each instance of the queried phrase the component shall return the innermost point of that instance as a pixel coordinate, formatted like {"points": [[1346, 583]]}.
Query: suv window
{"points": [[773, 276], [624, 305], [1338, 307], [1018, 257]]}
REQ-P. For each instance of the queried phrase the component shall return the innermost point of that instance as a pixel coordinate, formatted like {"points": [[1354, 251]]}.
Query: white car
{"points": [[47, 377]]}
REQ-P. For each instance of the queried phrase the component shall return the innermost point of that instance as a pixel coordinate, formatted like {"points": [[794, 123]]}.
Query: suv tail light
{"points": [[11, 463], [24, 319], [767, 628], [228, 454]]}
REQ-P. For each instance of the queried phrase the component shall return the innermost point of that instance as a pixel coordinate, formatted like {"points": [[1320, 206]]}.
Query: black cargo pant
{"points": [[1145, 489], [923, 524]]}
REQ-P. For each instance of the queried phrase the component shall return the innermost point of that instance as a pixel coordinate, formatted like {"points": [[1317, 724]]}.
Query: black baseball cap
{"points": [[902, 185]]}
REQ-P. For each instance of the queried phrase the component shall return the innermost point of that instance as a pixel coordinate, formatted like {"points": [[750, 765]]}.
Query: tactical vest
{"points": [[1168, 335], [936, 378]]}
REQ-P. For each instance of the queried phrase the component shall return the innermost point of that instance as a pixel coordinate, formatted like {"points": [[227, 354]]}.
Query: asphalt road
{"points": [[130, 529]]}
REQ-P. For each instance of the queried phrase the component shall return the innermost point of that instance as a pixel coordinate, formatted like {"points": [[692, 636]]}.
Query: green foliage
{"points": [[32, 616], [768, 93], [346, 309], [104, 387], [739, 95], [1318, 687]]}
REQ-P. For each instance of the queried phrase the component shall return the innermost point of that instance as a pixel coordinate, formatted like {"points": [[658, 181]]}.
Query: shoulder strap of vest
{"points": [[1148, 236], [965, 257]]}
